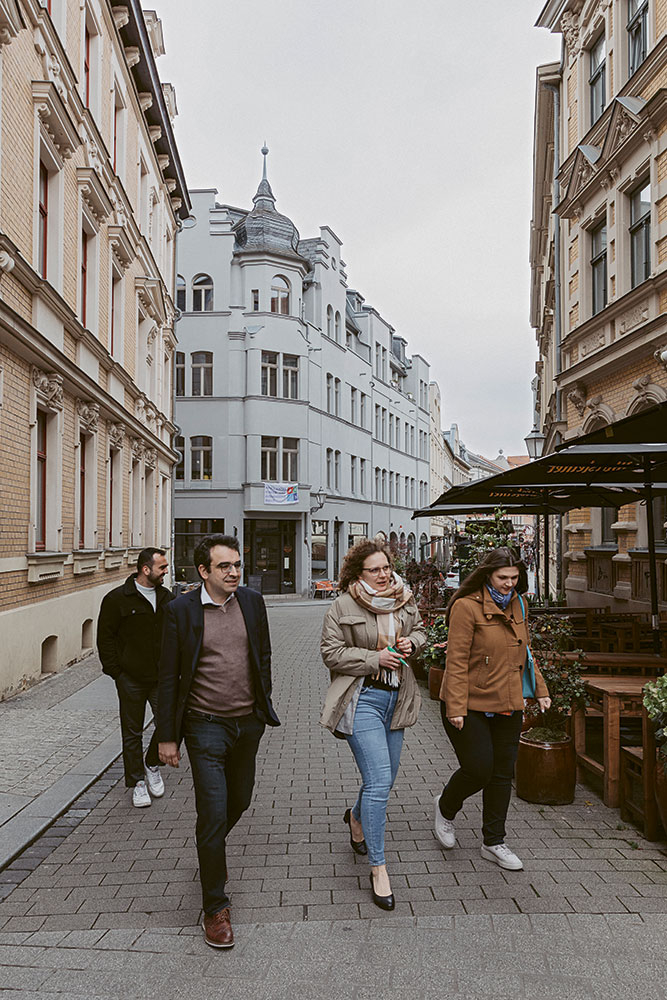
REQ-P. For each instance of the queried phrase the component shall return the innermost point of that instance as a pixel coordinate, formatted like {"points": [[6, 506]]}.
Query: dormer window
{"points": [[280, 295]]}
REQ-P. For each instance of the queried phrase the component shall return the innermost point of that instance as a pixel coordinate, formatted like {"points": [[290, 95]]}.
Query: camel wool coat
{"points": [[349, 650], [486, 655]]}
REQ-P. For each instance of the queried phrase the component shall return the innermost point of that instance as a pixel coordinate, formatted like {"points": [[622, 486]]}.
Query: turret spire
{"points": [[264, 197]]}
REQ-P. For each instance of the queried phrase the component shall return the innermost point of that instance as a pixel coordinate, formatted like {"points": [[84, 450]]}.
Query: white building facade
{"points": [[304, 425]]}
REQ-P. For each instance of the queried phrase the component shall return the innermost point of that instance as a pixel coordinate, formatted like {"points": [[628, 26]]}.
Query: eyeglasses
{"points": [[376, 570], [226, 568]]}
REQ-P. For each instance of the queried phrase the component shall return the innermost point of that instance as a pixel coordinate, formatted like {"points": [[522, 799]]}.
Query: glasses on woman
{"points": [[376, 570]]}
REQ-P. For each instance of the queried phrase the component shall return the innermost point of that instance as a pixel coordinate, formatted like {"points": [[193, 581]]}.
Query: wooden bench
{"points": [[637, 796], [622, 664]]}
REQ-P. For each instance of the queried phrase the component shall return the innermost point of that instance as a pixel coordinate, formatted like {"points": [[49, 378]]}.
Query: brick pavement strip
{"points": [[112, 889]]}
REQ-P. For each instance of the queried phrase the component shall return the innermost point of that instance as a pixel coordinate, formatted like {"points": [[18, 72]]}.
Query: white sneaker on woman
{"points": [[444, 828], [501, 855], [154, 781], [140, 796]]}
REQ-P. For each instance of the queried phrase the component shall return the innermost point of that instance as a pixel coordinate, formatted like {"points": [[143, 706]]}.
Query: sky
{"points": [[407, 127]]}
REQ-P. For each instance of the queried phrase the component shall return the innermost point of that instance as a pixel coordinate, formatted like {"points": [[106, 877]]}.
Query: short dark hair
{"points": [[146, 556], [202, 556]]}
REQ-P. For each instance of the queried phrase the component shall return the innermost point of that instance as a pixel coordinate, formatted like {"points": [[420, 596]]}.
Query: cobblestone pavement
{"points": [[107, 903]]}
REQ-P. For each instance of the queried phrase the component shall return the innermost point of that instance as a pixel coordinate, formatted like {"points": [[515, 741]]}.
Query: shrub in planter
{"points": [[432, 656], [546, 766], [655, 702]]}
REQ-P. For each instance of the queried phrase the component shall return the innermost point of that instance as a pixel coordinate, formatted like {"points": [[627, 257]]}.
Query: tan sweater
{"points": [[222, 684]]}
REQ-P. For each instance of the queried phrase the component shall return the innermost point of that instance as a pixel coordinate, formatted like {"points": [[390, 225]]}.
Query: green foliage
{"points": [[551, 638], [485, 535], [545, 734], [655, 702], [435, 650]]}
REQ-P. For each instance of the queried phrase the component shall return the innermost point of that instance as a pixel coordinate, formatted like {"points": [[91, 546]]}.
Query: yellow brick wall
{"points": [[572, 125], [660, 19], [661, 161], [574, 250], [574, 283], [574, 316], [663, 301], [15, 442]]}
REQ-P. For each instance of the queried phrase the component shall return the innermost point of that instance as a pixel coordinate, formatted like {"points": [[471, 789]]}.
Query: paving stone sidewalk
{"points": [[114, 890]]}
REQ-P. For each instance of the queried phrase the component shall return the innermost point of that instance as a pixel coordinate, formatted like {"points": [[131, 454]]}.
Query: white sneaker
{"points": [[444, 828], [501, 855], [154, 781], [140, 796]]}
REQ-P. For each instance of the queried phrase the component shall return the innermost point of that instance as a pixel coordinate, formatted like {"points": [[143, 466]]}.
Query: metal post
{"points": [[653, 576], [546, 560]]}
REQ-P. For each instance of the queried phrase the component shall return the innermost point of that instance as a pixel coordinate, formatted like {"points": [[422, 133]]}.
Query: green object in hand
{"points": [[392, 650]]}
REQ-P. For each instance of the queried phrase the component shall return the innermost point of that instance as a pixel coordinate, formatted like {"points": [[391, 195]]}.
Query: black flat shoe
{"points": [[358, 846], [384, 902]]}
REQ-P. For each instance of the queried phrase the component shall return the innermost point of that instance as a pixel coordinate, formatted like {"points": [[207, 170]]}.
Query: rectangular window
{"points": [[640, 234], [202, 373], [353, 474], [337, 397], [391, 487], [384, 364], [319, 545], [84, 275], [43, 219], [116, 317], [330, 467], [255, 299], [597, 79], [290, 376], [609, 517], [337, 470], [201, 458], [82, 490], [269, 471], [378, 421], [637, 33], [269, 373], [187, 534], [384, 424], [384, 486], [40, 534], [357, 531], [290, 460], [407, 437], [362, 420], [599, 267], [391, 430], [115, 497], [378, 360], [86, 67], [407, 492], [179, 373], [362, 476], [353, 405]]}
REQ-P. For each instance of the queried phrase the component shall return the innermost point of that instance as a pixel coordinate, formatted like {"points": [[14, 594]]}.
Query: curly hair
{"points": [[495, 559], [357, 556]]}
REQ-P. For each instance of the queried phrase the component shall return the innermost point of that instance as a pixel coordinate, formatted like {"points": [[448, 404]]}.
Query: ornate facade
{"points": [[91, 188], [599, 262]]}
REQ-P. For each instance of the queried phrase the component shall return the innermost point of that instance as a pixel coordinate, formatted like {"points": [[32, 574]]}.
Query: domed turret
{"points": [[264, 230]]}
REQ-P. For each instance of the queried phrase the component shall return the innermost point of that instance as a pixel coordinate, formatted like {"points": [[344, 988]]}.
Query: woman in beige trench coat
{"points": [[368, 635]]}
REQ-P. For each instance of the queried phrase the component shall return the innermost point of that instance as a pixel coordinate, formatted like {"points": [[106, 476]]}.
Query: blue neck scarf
{"points": [[502, 600]]}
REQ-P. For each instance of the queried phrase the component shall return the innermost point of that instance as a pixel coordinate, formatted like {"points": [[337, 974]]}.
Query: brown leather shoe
{"points": [[218, 930]]}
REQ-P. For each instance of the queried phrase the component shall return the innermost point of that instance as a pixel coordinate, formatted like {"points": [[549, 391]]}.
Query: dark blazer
{"points": [[181, 644], [129, 632]]}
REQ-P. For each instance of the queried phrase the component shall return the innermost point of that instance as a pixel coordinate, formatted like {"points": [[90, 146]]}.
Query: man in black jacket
{"points": [[129, 632], [215, 692]]}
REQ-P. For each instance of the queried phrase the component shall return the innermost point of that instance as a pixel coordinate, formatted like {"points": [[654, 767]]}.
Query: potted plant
{"points": [[655, 703], [432, 656], [546, 764]]}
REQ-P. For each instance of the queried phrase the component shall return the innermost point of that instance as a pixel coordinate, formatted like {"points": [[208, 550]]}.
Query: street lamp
{"points": [[535, 443], [320, 499]]}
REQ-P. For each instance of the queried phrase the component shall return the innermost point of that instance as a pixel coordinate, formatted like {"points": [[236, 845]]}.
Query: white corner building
{"points": [[303, 423]]}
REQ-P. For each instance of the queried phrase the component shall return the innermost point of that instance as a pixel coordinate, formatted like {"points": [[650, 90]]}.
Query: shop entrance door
{"points": [[269, 554]]}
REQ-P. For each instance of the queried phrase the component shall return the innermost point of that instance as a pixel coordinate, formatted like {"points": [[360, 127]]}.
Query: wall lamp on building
{"points": [[252, 331], [534, 443], [320, 499], [371, 382]]}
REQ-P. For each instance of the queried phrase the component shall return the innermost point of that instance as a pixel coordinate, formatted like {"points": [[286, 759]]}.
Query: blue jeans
{"points": [[377, 751], [222, 757]]}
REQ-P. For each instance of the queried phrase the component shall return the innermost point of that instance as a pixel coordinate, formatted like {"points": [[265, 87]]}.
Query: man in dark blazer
{"points": [[214, 691]]}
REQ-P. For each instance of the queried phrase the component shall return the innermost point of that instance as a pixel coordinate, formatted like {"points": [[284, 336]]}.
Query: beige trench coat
{"points": [[349, 650]]}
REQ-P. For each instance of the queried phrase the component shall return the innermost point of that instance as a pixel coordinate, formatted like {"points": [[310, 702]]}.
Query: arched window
{"points": [[202, 293], [411, 546], [280, 295], [179, 373], [180, 292], [338, 333], [202, 373], [179, 446], [329, 321], [201, 457]]}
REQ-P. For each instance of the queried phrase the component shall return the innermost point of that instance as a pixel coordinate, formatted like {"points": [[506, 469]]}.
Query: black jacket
{"points": [[181, 645], [129, 632]]}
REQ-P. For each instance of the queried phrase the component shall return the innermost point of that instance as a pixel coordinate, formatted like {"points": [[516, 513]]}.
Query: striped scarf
{"points": [[383, 604]]}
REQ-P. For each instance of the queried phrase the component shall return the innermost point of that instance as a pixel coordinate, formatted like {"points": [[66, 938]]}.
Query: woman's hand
{"points": [[544, 704], [391, 661], [169, 753], [456, 721], [404, 645]]}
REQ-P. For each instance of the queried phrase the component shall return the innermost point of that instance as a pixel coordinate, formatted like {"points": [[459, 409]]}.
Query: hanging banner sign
{"points": [[281, 493]]}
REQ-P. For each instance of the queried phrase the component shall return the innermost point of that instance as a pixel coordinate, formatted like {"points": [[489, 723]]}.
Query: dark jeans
{"points": [[222, 757], [132, 697], [486, 749]]}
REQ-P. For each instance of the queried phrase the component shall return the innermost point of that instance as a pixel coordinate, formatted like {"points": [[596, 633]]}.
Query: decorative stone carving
{"points": [[163, 161], [600, 413], [54, 117], [150, 457], [592, 343], [577, 396], [49, 388], [145, 100], [6, 262], [118, 208], [138, 449], [116, 434], [89, 414], [94, 194], [659, 355], [647, 393], [121, 16], [140, 409], [629, 320], [151, 414], [133, 55], [570, 27], [10, 21], [155, 132], [93, 157]]}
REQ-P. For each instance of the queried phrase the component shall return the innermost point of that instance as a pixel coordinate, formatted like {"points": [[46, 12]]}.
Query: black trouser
{"points": [[132, 697], [486, 749], [222, 757]]}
